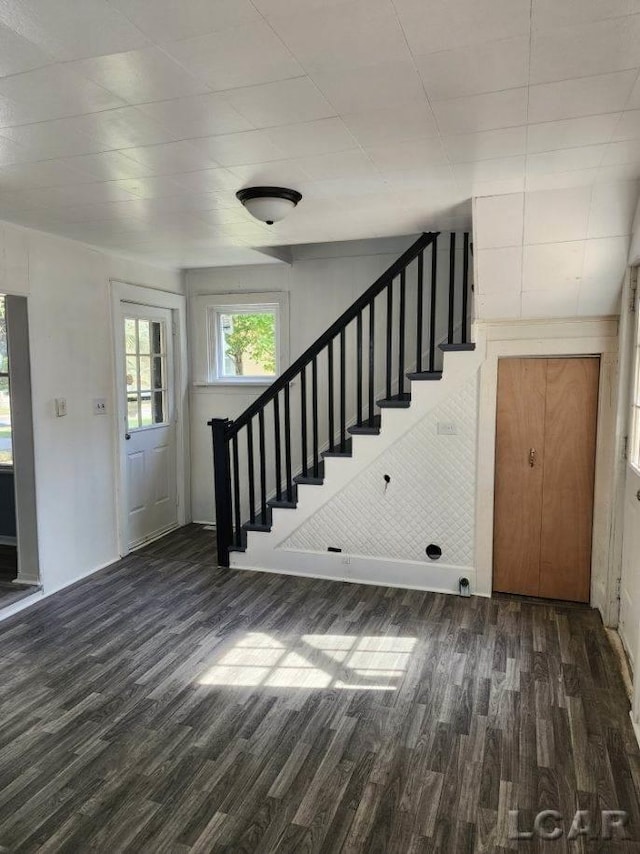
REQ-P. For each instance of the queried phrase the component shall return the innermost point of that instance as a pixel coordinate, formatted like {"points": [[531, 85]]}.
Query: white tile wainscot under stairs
{"points": [[294, 544]]}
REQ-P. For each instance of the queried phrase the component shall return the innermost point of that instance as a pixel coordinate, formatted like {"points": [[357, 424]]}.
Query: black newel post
{"points": [[222, 485]]}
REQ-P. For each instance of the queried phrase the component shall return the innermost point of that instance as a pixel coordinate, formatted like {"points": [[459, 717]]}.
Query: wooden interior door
{"points": [[518, 485], [545, 465], [569, 472]]}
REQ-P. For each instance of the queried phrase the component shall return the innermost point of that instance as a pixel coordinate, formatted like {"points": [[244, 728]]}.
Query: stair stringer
{"points": [[264, 550]]}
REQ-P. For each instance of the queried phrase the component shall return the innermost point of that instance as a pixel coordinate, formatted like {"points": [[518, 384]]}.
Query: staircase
{"points": [[370, 376]]}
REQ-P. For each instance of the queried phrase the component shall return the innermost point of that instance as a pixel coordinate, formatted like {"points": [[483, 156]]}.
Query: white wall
{"points": [[322, 281], [68, 290], [553, 253], [628, 507], [634, 249]]}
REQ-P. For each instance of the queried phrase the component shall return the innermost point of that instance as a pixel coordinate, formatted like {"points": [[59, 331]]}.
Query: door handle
{"points": [[127, 436], [532, 457]]}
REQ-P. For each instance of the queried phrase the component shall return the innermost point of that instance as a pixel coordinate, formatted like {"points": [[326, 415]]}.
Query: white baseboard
{"points": [[21, 604], [358, 569]]}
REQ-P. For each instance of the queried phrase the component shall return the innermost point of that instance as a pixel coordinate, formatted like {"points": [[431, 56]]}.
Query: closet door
{"points": [[519, 475], [569, 469]]}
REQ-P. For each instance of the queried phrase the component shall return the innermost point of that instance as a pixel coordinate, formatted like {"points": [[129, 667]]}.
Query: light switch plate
{"points": [[61, 406], [447, 428], [99, 406]]}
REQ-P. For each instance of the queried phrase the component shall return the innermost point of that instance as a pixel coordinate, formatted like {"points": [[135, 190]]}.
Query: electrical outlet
{"points": [[60, 406], [99, 406], [447, 428]]}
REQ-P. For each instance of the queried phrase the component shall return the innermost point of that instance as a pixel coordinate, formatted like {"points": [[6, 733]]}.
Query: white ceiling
{"points": [[130, 124]]}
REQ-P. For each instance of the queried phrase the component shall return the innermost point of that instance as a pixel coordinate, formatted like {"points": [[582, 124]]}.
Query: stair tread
{"points": [[282, 504], [456, 348], [348, 450], [310, 479], [424, 375], [367, 429], [396, 401], [257, 526]]}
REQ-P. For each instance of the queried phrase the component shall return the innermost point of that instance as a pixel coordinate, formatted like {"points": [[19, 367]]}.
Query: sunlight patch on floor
{"points": [[345, 662]]}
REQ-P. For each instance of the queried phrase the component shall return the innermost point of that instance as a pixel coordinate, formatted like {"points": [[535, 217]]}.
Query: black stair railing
{"points": [[409, 316]]}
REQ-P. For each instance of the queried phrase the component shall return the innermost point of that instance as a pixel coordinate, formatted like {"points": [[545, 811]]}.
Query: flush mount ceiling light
{"points": [[269, 204]]}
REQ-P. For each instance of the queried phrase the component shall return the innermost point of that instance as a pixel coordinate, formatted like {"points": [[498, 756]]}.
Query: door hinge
{"points": [[174, 328], [618, 586], [625, 448], [633, 287]]}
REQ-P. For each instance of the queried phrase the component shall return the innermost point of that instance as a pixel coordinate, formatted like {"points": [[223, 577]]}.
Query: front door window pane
{"points": [[146, 372]]}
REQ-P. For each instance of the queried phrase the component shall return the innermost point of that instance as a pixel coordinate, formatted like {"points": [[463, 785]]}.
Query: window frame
{"points": [[216, 354], [207, 309]]}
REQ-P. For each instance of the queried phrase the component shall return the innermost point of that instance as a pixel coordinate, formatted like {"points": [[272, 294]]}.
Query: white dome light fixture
{"points": [[269, 204]]}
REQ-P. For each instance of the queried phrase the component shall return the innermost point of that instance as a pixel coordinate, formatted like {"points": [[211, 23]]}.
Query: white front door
{"points": [[150, 425]]}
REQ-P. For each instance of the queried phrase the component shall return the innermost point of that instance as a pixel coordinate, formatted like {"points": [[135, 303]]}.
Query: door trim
{"points": [[573, 337], [126, 292]]}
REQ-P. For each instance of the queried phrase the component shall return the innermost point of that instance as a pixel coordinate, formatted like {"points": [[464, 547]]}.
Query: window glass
{"points": [[146, 373], [247, 343]]}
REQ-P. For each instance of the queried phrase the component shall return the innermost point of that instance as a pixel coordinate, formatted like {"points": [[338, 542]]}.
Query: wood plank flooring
{"points": [[165, 705]]}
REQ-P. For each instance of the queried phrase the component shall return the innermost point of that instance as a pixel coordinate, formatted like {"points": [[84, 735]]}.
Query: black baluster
{"points": [[303, 418], [432, 307], [403, 288], [314, 413], [330, 393], [372, 379], [263, 468], [389, 336], [420, 308], [452, 283], [236, 489], [343, 394], [465, 287], [287, 444], [276, 429], [359, 377], [250, 473], [222, 485]]}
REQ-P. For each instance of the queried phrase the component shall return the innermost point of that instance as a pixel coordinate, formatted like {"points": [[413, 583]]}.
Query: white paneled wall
{"points": [[430, 497], [553, 253]]}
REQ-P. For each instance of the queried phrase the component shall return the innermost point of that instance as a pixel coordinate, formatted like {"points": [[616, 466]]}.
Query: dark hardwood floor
{"points": [[164, 705]]}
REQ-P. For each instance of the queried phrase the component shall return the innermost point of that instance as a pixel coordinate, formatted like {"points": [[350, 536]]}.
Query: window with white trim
{"points": [[246, 342], [246, 338]]}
